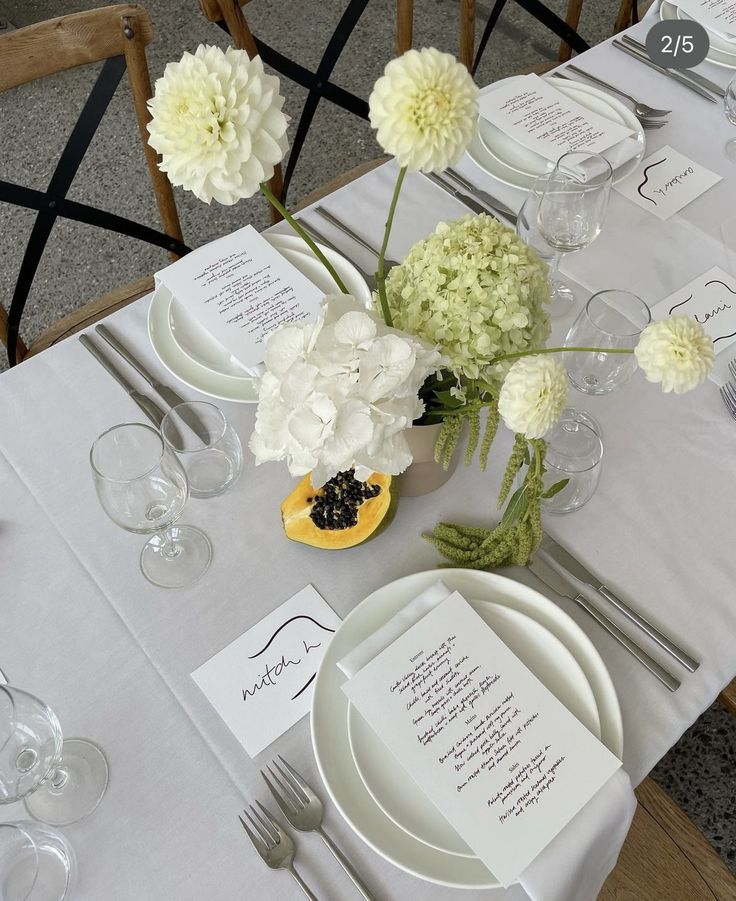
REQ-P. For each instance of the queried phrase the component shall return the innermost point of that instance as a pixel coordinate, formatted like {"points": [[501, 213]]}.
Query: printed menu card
{"points": [[538, 116], [502, 759], [718, 15], [239, 289]]}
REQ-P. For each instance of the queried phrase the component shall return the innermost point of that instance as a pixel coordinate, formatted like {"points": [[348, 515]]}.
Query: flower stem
{"points": [[276, 203], [558, 350], [381, 271]]}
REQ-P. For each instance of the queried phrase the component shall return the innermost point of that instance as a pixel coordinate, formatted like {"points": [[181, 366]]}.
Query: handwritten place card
{"points": [[536, 115], [501, 758], [240, 289], [711, 300], [665, 182], [261, 683]]}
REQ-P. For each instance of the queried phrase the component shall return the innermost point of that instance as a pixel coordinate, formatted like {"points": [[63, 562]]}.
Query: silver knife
{"points": [[316, 235], [147, 404], [564, 559], [465, 199], [168, 394], [670, 73], [483, 196], [689, 73], [552, 579]]}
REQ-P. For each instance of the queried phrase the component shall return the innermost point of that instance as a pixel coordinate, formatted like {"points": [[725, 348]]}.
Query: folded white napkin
{"points": [[576, 863]]}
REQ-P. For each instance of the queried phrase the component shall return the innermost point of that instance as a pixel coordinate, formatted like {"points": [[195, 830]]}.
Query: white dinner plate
{"points": [[508, 162], [720, 52], [329, 720], [399, 798], [200, 346], [235, 385]]}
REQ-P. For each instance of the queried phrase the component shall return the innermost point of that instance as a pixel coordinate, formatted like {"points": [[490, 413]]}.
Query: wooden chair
{"points": [[118, 36]]}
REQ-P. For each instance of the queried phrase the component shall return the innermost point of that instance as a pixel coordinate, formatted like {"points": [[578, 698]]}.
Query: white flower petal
{"points": [[533, 395], [675, 352]]}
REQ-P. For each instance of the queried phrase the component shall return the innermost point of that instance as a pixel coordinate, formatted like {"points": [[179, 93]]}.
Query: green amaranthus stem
{"points": [[559, 350], [276, 204], [381, 271]]}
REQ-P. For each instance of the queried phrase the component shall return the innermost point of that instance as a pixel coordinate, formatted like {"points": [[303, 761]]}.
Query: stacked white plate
{"points": [[721, 51], [507, 161], [193, 356], [371, 789]]}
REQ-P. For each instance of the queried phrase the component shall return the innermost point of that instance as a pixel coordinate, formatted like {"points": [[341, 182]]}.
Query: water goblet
{"points": [[212, 457], [574, 452], [729, 107], [60, 781], [612, 320], [143, 488], [572, 209], [527, 228], [36, 863]]}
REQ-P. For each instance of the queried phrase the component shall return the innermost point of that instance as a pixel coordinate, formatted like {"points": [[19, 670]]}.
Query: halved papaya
{"points": [[341, 514]]}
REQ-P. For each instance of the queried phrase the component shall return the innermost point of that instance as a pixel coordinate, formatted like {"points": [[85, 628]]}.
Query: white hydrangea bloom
{"points": [[475, 289], [339, 393], [218, 124], [675, 352], [533, 395], [425, 109]]}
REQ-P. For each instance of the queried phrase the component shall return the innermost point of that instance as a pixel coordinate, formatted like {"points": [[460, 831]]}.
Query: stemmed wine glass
{"points": [[572, 209], [527, 228], [143, 488], [729, 107], [60, 781]]}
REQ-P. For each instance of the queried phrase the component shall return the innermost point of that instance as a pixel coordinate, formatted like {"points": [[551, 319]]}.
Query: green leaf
{"points": [[555, 489], [516, 507]]}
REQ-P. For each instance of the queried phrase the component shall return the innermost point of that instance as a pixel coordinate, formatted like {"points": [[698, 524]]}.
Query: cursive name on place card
{"points": [[709, 299], [665, 182], [261, 683], [504, 762], [239, 288]]}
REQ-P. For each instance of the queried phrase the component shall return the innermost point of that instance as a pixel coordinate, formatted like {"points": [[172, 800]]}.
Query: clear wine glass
{"points": [[573, 207], [610, 319], [60, 781], [527, 228], [574, 452], [36, 863], [143, 488], [729, 107]]}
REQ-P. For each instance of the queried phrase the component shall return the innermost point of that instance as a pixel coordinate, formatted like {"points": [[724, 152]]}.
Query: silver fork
{"points": [[728, 396], [732, 369], [369, 278], [304, 810], [273, 844], [345, 229], [646, 122], [641, 109]]}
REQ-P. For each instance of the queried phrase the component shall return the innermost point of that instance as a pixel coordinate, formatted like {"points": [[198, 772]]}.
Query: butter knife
{"points": [[483, 196], [465, 199], [552, 579], [167, 394], [688, 73], [565, 560], [670, 73], [146, 404]]}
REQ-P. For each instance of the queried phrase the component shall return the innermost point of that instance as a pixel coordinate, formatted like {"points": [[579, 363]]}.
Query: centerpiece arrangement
{"points": [[459, 327]]}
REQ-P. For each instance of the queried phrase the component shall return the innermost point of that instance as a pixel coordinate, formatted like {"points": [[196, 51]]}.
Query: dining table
{"points": [[112, 654]]}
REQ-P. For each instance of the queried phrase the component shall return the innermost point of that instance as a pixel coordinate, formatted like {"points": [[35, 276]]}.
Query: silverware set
{"points": [[564, 585], [728, 390], [647, 115], [304, 811]]}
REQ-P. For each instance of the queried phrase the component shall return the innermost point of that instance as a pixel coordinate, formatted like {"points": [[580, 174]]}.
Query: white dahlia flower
{"points": [[218, 124], [424, 108], [533, 395], [676, 352]]}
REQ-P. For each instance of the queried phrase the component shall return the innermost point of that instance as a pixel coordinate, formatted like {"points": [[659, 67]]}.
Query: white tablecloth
{"points": [[112, 655]]}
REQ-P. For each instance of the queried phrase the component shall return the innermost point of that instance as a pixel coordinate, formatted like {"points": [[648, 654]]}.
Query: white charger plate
{"points": [[507, 161], [201, 347], [720, 52], [237, 385], [399, 798], [329, 721]]}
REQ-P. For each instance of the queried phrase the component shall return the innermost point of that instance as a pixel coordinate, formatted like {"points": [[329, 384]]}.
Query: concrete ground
{"points": [[80, 263]]}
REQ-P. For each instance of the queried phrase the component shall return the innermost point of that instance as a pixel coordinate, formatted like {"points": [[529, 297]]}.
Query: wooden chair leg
{"points": [[404, 25], [728, 697], [467, 32], [623, 19], [574, 8], [20, 349]]}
